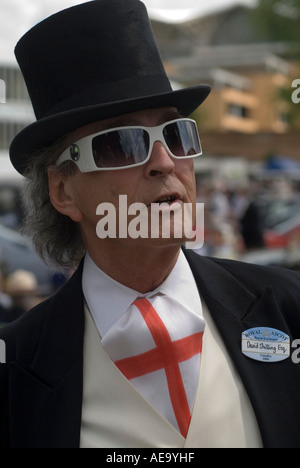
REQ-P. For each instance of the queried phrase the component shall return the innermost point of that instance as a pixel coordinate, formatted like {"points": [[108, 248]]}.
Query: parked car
{"points": [[282, 224], [17, 252], [11, 209], [271, 223]]}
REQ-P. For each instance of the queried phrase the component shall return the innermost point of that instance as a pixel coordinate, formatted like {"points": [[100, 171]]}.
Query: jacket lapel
{"points": [[47, 412], [273, 388]]}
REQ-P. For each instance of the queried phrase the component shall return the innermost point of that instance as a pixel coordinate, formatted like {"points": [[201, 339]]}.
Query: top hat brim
{"points": [[46, 131]]}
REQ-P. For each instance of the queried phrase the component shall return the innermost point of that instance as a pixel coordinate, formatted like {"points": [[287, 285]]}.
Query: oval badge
{"points": [[266, 344]]}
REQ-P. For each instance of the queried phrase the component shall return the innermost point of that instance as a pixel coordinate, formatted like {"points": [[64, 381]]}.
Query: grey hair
{"points": [[55, 236]]}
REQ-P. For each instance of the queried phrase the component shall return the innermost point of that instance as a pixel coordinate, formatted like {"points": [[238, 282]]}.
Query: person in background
{"points": [[5, 302], [22, 287]]}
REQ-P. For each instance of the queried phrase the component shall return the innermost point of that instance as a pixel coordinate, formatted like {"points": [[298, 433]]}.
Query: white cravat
{"points": [[177, 303], [157, 345], [108, 300]]}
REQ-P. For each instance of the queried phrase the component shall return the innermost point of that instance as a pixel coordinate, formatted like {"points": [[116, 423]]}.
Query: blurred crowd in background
{"points": [[256, 222]]}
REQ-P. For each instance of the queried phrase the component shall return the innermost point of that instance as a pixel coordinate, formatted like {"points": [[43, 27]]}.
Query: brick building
{"points": [[246, 114]]}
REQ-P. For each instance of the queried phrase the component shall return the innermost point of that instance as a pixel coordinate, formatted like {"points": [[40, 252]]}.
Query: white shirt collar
{"points": [[108, 300]]}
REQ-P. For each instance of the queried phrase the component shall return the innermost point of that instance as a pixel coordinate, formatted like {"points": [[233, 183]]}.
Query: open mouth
{"points": [[169, 199]]}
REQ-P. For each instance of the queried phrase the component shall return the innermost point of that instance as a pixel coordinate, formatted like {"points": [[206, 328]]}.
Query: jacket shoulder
{"points": [[282, 284], [257, 278], [251, 278], [235, 281]]}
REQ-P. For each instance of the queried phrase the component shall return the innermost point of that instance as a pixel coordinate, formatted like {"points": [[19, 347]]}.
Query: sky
{"points": [[18, 16]]}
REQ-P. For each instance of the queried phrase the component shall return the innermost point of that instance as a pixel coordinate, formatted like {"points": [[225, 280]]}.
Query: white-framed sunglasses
{"points": [[127, 147]]}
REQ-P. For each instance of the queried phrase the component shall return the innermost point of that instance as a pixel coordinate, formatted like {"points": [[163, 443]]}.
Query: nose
{"points": [[160, 163]]}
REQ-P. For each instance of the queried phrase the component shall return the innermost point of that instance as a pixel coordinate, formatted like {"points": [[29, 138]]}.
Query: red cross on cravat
{"points": [[167, 355]]}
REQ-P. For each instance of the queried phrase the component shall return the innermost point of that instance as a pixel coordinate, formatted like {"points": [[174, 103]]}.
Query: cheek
{"points": [[89, 192], [126, 182], [88, 205], [96, 188], [186, 174]]}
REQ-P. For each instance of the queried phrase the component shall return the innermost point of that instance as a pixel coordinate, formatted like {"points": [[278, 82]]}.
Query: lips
{"points": [[168, 198]]}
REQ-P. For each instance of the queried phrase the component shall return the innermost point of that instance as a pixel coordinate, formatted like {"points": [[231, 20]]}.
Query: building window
{"points": [[284, 118], [15, 85], [238, 111], [8, 131]]}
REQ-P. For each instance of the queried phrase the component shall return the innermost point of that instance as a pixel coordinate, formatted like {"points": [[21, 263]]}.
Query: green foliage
{"points": [[279, 20]]}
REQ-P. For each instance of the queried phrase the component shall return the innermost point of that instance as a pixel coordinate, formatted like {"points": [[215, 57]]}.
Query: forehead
{"points": [[147, 118]]}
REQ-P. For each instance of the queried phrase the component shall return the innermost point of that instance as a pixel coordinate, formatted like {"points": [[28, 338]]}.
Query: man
{"points": [[143, 346], [22, 287]]}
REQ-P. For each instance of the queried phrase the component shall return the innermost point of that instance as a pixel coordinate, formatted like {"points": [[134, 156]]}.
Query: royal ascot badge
{"points": [[266, 344]]}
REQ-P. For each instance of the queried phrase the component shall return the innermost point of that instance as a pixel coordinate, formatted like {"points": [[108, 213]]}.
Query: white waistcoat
{"points": [[115, 415]]}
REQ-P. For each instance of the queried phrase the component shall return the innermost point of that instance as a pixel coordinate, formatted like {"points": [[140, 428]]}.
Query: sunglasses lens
{"points": [[121, 148], [182, 139]]}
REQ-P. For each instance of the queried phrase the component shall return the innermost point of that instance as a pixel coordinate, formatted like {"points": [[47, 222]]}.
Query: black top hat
{"points": [[88, 63]]}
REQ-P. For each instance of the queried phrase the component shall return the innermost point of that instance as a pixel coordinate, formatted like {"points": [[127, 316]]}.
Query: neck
{"points": [[141, 269]]}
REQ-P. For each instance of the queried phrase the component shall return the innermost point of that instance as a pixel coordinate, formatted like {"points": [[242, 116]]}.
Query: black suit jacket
{"points": [[42, 382]]}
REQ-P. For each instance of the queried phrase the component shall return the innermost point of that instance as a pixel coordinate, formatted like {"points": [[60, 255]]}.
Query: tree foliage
{"points": [[279, 20]]}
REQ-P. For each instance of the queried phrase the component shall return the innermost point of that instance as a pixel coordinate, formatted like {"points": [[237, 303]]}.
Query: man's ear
{"points": [[62, 195]]}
